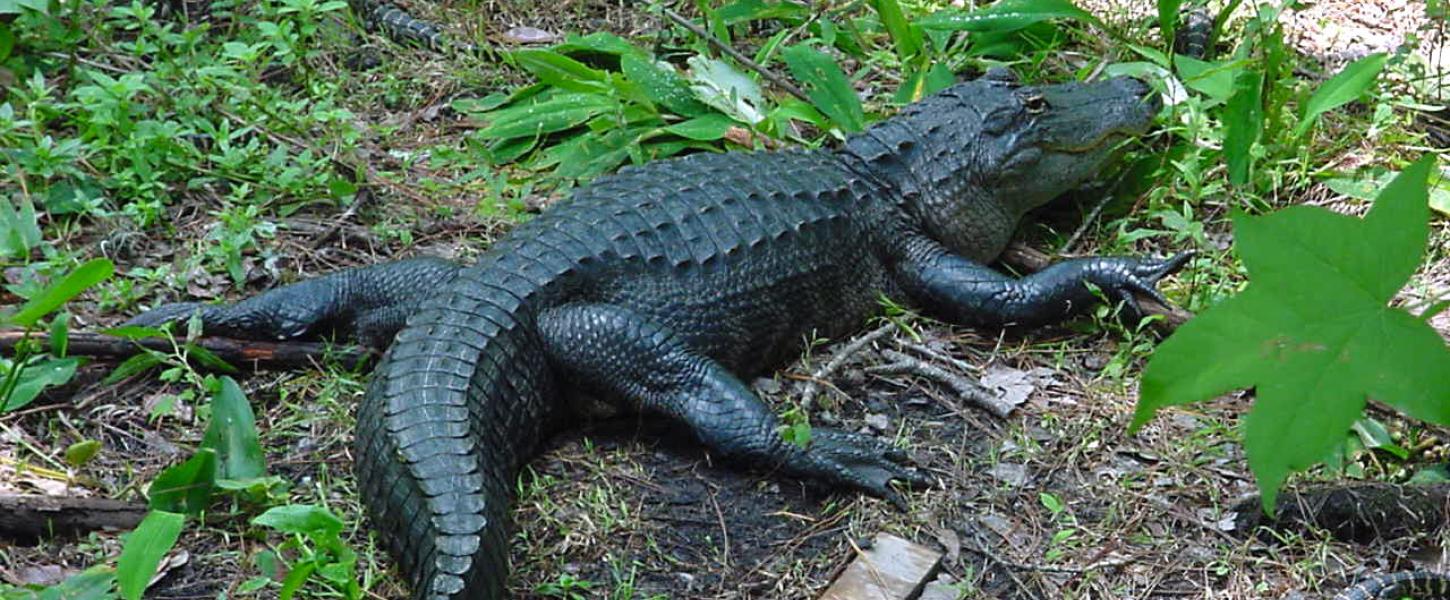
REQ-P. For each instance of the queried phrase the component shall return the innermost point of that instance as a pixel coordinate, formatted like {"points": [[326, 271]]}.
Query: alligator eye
{"points": [[1036, 104]]}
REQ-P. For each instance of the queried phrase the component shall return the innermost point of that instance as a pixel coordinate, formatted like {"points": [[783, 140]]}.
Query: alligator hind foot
{"points": [[623, 355], [368, 304]]}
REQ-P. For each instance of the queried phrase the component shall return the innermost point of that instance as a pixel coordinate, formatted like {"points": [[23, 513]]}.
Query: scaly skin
{"points": [[1421, 585], [663, 286], [404, 28]]}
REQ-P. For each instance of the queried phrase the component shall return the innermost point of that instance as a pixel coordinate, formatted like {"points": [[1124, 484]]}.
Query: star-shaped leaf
{"points": [[1313, 332]]}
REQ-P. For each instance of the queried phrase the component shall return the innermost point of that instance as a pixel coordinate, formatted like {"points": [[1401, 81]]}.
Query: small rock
{"points": [[1012, 474], [529, 35], [879, 422], [767, 385]]}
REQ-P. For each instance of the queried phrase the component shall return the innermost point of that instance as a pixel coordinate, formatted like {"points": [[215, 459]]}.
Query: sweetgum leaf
{"points": [[1313, 331]]}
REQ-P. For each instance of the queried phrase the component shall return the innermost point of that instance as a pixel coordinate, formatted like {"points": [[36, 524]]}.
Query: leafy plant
{"points": [[1312, 332], [30, 371], [315, 536]]}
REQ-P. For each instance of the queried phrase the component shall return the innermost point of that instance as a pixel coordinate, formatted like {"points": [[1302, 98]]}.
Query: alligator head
{"points": [[976, 156]]}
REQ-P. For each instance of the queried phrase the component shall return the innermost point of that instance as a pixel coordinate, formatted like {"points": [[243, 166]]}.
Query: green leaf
{"points": [[1341, 89], [1374, 436], [904, 36], [77, 281], [302, 519], [136, 364], [80, 453], [144, 549], [1006, 15], [1243, 119], [35, 376], [18, 229], [1212, 79], [187, 487], [561, 112], [95, 583], [561, 71], [662, 84], [1168, 17], [60, 334], [1313, 332], [705, 128], [7, 40], [233, 433], [724, 87], [829, 89]]}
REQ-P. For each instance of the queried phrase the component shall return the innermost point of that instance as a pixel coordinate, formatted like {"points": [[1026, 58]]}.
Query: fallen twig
{"points": [[35, 516], [233, 351], [966, 388], [808, 396]]}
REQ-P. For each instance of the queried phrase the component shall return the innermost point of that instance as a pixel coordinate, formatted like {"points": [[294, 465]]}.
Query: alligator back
{"points": [[742, 253]]}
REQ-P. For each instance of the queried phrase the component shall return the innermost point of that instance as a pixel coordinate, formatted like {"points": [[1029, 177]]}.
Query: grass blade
{"points": [[1243, 119], [1341, 89]]}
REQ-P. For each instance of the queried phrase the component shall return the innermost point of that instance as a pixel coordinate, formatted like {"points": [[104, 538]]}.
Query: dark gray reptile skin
{"points": [[404, 28], [662, 286], [1420, 585]]}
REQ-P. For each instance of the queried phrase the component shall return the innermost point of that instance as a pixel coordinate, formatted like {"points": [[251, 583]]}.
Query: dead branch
{"points": [[808, 396], [966, 388], [1363, 512], [269, 355], [30, 517]]}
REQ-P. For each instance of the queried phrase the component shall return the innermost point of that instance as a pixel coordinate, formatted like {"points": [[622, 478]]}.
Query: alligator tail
{"points": [[462, 397]]}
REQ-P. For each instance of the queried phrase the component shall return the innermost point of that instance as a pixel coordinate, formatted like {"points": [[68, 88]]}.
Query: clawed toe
{"points": [[861, 462]]}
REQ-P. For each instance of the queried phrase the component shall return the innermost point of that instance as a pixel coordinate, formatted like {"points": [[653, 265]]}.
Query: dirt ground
{"points": [[1055, 501]]}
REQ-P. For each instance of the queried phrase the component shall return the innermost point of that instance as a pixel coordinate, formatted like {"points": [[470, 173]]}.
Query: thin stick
{"points": [[971, 390], [813, 386], [774, 79], [233, 351]]}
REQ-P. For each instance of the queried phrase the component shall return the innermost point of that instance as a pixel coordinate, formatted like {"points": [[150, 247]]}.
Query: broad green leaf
{"points": [[662, 84], [904, 36], [1341, 89], [741, 11], [60, 335], [134, 332], [602, 42], [1212, 79], [829, 89], [1365, 187], [561, 71], [136, 364], [80, 453], [561, 112], [18, 229], [724, 87], [77, 281], [1313, 331], [1375, 436], [187, 487], [233, 433], [144, 549], [95, 583], [303, 519], [1005, 15], [35, 376], [1243, 119], [704, 128]]}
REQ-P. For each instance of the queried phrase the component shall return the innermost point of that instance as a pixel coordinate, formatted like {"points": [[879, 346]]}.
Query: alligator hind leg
{"points": [[369, 304], [618, 353]]}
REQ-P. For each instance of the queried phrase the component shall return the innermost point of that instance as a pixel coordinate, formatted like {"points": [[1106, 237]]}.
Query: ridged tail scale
{"points": [[463, 396]]}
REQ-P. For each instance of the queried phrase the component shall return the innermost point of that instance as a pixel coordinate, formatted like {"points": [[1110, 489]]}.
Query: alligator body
{"points": [[663, 286], [1420, 585], [402, 27]]}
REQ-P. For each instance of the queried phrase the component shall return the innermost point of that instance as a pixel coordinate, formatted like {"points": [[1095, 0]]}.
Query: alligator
{"points": [[402, 27], [664, 285], [1422, 585]]}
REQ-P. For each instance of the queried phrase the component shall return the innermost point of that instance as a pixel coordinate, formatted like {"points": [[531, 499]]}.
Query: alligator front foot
{"points": [[855, 460], [1124, 279]]}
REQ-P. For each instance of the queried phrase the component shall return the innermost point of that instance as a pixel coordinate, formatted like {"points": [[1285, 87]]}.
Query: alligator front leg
{"points": [[615, 351], [967, 292], [368, 304]]}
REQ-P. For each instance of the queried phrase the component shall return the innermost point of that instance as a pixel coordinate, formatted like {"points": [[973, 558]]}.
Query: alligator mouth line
{"points": [[1107, 138]]}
